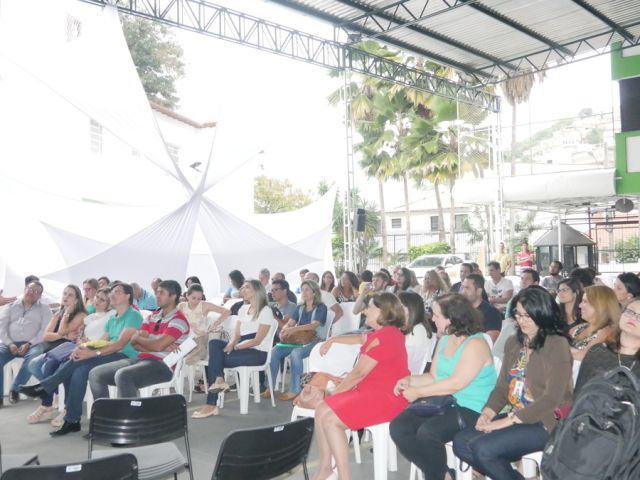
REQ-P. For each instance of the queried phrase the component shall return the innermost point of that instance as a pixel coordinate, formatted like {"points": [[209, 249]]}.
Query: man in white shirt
{"points": [[498, 288]]}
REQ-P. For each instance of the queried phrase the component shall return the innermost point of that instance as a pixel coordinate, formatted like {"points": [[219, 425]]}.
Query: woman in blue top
{"points": [[311, 314], [463, 367]]}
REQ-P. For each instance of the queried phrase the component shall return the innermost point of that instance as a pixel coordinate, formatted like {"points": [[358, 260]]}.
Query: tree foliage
{"points": [[274, 195], [628, 251], [416, 251], [157, 57]]}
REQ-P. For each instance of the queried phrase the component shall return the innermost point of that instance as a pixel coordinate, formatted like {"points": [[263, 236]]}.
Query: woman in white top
{"points": [[196, 311], [94, 323], [418, 334], [250, 344]]}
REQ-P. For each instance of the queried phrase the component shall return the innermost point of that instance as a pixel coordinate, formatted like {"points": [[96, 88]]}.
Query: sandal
{"points": [[211, 413], [41, 414], [219, 387]]}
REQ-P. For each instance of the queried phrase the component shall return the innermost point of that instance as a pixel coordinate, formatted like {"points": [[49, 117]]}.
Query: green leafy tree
{"points": [[628, 251], [157, 57], [273, 195], [428, 249]]}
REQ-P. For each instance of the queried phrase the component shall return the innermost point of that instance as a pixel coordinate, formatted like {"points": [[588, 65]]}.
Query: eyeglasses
{"points": [[635, 315], [522, 316], [32, 290]]}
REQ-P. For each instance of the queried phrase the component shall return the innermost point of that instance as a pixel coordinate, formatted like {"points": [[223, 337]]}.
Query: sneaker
{"points": [[41, 414], [59, 420]]}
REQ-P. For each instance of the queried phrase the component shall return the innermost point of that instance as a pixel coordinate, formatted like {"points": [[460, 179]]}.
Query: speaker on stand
{"points": [[360, 219]]}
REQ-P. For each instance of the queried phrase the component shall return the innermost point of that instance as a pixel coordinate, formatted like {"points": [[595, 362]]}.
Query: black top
{"points": [[455, 288], [598, 360], [491, 317]]}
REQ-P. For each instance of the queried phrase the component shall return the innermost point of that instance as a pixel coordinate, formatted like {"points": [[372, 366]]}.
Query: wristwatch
{"points": [[98, 353]]}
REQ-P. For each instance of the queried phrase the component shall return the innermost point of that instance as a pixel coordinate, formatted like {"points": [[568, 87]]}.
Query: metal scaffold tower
{"points": [[347, 214]]}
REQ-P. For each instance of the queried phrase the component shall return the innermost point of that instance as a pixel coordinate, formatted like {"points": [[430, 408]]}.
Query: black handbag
{"points": [[432, 406]]}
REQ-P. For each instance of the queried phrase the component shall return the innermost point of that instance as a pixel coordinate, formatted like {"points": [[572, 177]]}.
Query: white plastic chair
{"points": [[280, 379], [419, 356], [348, 322], [489, 341], [385, 455], [244, 374], [11, 370], [531, 463], [176, 382], [576, 371]]}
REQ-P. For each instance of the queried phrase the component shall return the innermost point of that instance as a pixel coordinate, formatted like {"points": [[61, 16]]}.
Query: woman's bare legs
{"points": [[324, 448]]}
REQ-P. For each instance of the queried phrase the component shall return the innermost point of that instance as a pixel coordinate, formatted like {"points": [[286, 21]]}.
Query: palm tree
{"points": [[516, 91]]}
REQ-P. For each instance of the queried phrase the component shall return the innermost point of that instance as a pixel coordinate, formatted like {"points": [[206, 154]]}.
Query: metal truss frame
{"points": [[206, 18], [380, 22]]}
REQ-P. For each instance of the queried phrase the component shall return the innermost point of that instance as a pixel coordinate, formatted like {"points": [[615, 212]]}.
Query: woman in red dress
{"points": [[365, 397]]}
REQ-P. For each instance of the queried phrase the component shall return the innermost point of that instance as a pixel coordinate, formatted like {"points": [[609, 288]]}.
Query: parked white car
{"points": [[450, 262]]}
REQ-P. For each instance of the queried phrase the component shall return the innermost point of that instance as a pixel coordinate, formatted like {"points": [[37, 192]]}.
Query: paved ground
{"points": [[206, 435]]}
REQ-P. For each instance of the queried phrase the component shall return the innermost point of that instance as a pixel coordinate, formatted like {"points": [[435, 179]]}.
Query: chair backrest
{"points": [[575, 370], [339, 359], [488, 339], [118, 467], [265, 452], [331, 315], [348, 322], [497, 363], [138, 421], [419, 356]]}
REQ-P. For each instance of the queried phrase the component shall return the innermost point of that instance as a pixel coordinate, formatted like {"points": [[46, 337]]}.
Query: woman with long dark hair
{"points": [[347, 289], [569, 295], [626, 288], [535, 378], [328, 281]]}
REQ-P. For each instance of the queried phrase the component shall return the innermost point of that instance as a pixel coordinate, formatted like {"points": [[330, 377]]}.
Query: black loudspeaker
{"points": [[630, 104], [360, 220]]}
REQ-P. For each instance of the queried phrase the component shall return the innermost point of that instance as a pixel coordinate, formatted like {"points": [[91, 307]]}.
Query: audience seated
{"points": [[627, 288], [551, 282], [417, 330], [620, 349], [237, 280], [498, 288], [365, 397], [465, 270], [74, 373], [90, 288], [347, 288], [378, 285], [161, 333], [265, 279], [403, 282], [279, 292], [65, 327], [585, 276], [249, 345], [155, 281], [473, 290], [444, 276], [196, 310], [462, 367], [310, 315], [569, 298], [600, 310], [22, 326], [143, 299], [432, 287], [328, 282], [534, 379], [327, 298], [290, 295], [104, 282]]}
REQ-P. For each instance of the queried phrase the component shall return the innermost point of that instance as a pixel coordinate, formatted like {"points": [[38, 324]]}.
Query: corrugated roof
{"points": [[490, 38], [570, 236]]}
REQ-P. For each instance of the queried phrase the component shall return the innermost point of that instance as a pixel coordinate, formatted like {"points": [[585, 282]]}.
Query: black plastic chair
{"points": [[13, 460], [120, 467], [265, 452], [144, 427]]}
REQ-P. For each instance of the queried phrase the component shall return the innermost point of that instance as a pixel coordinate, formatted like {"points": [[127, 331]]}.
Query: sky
{"points": [[264, 102]]}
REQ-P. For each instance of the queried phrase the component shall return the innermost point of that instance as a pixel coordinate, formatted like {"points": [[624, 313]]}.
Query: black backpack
{"points": [[600, 439]]}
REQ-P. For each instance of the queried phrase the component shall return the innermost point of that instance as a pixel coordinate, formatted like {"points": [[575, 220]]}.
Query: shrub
{"points": [[416, 251]]}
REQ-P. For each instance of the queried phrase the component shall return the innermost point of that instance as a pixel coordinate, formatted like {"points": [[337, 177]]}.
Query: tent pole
{"points": [[560, 249]]}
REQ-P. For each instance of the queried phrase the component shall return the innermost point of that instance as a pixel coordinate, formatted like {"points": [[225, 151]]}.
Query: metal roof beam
{"points": [[517, 26], [223, 23], [383, 38], [398, 23], [606, 20]]}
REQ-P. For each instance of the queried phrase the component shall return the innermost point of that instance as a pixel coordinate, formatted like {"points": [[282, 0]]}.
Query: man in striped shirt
{"points": [[161, 333]]}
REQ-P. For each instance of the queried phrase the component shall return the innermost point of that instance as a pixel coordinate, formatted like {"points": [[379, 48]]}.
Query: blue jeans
{"points": [[297, 364], [219, 360], [23, 374], [75, 376], [41, 367], [492, 453], [128, 376]]}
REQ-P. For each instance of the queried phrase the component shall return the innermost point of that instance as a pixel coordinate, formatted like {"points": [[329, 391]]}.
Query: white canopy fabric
{"points": [[83, 217], [559, 189]]}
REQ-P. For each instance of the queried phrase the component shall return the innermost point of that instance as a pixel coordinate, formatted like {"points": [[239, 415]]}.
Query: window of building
{"points": [[461, 220], [95, 136], [396, 223], [435, 224]]}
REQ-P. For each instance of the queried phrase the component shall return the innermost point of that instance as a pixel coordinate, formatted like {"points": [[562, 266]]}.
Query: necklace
{"points": [[621, 365]]}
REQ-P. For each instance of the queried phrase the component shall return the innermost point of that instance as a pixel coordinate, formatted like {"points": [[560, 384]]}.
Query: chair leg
{"points": [[393, 454], [356, 445], [255, 384], [380, 453], [243, 389], [304, 469], [270, 380]]}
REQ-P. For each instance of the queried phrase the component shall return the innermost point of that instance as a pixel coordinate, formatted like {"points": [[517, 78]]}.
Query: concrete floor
{"points": [[205, 435]]}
